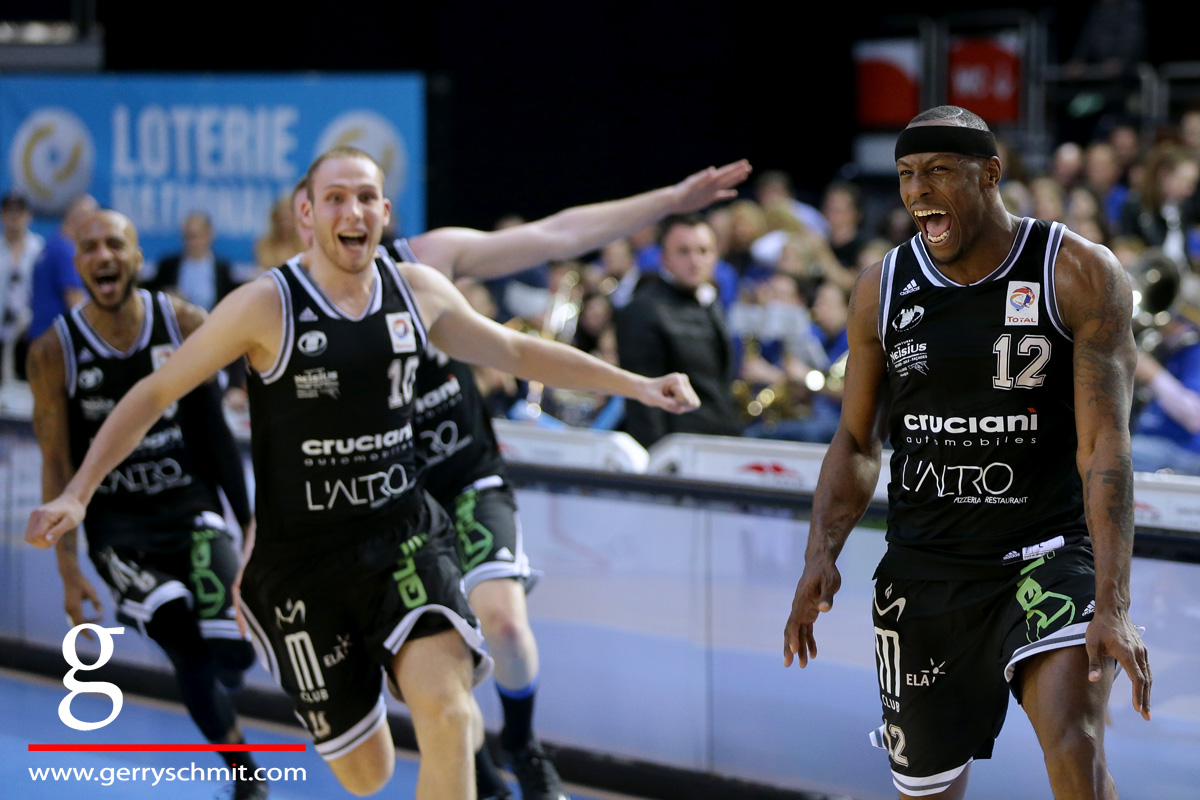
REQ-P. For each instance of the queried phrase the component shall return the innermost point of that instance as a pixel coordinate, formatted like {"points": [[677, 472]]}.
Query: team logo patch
{"points": [[1021, 303], [90, 378], [160, 353], [404, 335], [908, 318], [312, 343]]}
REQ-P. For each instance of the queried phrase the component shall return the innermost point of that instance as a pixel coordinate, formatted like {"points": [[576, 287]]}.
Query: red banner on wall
{"points": [[887, 82], [985, 76]]}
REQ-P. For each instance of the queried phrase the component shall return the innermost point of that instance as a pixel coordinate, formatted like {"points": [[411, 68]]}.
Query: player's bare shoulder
{"points": [[45, 363], [189, 315], [864, 300], [1090, 284]]}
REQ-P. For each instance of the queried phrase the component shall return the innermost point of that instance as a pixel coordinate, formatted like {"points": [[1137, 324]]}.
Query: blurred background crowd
{"points": [[750, 298]]}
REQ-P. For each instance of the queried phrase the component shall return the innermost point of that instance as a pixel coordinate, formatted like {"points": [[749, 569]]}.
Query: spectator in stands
{"points": [[1102, 175], [595, 317], [766, 250], [775, 186], [674, 323], [1085, 216], [898, 226], [1066, 166], [1048, 202], [19, 249], [872, 252], [1159, 213], [748, 224], [807, 258], [56, 285], [281, 241], [618, 272], [830, 313], [773, 334], [1167, 434], [1127, 146], [841, 206], [1189, 129], [197, 274]]}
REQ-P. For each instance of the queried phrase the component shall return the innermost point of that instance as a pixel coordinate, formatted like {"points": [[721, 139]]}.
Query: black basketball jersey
{"points": [[153, 497], [982, 419], [331, 432], [458, 443]]}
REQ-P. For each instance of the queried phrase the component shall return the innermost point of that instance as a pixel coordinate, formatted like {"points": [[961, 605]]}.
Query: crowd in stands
{"points": [[751, 296]]}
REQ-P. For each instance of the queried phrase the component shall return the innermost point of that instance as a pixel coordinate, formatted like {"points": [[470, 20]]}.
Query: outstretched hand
{"points": [[50, 521], [672, 392], [709, 186], [1111, 634], [814, 594]]}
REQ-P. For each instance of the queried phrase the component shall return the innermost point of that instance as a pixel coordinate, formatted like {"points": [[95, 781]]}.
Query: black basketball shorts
{"points": [[947, 653], [200, 571], [488, 538], [328, 629]]}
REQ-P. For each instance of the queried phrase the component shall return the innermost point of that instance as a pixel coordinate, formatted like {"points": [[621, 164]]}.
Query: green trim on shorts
{"points": [[1042, 609], [207, 589], [473, 542]]}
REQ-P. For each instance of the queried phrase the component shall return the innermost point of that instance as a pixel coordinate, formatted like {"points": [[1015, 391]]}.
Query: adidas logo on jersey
{"points": [[85, 356], [1090, 609], [505, 554], [307, 315], [912, 287], [1013, 555]]}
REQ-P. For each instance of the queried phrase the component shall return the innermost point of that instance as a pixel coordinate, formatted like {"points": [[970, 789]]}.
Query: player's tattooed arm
{"points": [[1096, 306]]}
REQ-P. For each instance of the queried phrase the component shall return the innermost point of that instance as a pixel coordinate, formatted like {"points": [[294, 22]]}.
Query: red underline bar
{"points": [[134, 748]]}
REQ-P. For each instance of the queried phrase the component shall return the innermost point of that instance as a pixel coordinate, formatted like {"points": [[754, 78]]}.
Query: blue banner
{"points": [[159, 147]]}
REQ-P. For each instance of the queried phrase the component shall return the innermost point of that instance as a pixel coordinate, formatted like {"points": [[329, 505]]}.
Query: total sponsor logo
{"points": [[1021, 307], [369, 444], [973, 484]]}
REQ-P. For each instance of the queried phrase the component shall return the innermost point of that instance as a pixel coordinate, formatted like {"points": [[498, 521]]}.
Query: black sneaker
{"points": [[537, 776]]}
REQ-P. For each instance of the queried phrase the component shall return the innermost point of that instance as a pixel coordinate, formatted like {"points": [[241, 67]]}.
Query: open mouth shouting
{"points": [[934, 223], [353, 240], [107, 282]]}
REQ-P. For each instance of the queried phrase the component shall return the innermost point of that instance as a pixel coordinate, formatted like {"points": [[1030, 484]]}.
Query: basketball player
{"points": [[353, 571], [156, 532], [1005, 346], [465, 472]]}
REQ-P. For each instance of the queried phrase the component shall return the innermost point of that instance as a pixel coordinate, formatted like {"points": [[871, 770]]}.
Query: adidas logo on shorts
{"points": [[1090, 609]]}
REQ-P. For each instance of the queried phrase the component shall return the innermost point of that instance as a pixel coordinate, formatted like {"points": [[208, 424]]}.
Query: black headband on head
{"points": [[946, 139]]}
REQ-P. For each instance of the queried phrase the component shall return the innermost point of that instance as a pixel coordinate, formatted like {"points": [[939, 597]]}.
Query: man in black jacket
{"points": [[197, 274], [675, 324]]}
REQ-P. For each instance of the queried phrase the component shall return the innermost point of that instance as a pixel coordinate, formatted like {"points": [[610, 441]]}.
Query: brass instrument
{"points": [[558, 324], [1157, 283]]}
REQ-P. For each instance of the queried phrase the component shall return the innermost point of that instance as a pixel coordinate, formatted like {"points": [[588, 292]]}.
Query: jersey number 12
{"points": [[1030, 377]]}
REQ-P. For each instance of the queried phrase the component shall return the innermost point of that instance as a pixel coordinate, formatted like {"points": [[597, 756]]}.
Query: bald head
{"points": [[108, 258], [949, 115], [79, 209]]}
